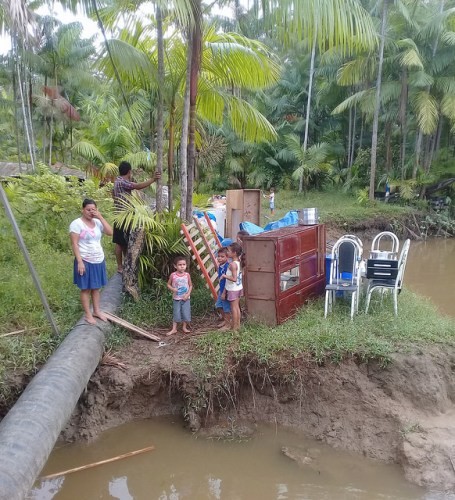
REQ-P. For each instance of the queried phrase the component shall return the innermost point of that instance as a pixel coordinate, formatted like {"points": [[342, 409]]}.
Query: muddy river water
{"points": [[182, 466]]}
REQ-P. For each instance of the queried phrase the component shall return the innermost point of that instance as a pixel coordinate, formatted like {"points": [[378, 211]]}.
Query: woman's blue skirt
{"points": [[95, 276]]}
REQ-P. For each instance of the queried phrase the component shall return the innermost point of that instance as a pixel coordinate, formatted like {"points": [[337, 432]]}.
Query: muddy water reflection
{"points": [[183, 467], [430, 271]]}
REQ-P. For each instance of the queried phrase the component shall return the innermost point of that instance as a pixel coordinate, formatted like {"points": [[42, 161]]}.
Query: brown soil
{"points": [[403, 413]]}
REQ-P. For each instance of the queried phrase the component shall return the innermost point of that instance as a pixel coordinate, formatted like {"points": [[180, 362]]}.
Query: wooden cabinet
{"points": [[242, 205], [283, 269]]}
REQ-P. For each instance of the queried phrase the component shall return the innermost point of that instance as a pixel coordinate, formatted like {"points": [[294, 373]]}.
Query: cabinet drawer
{"points": [[309, 240]]}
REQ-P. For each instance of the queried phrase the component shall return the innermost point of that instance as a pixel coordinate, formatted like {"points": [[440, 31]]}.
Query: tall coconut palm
{"points": [[374, 137]]}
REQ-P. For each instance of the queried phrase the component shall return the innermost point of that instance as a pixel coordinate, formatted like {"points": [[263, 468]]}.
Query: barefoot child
{"points": [[234, 287], [222, 305], [180, 285]]}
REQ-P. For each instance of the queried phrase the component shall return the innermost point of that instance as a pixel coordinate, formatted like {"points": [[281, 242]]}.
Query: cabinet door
{"points": [[309, 268], [288, 248], [309, 239], [289, 305]]}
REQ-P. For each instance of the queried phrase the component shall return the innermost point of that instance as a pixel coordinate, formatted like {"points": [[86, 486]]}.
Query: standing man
{"points": [[124, 185]]}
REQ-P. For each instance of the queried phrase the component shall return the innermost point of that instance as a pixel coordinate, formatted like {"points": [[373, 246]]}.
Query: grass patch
{"points": [[373, 336], [334, 206]]}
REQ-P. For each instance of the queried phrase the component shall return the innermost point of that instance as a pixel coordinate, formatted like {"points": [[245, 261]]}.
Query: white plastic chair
{"points": [[393, 284], [344, 272], [378, 251]]}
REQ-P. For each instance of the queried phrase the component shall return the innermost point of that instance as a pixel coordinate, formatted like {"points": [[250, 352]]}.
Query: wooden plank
{"points": [[210, 225], [209, 250], [201, 265], [16, 332], [206, 258], [101, 462], [131, 327]]}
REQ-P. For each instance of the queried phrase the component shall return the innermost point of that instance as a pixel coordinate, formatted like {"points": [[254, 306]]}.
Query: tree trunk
{"points": [[184, 139], [160, 110], [417, 154], [16, 119], [403, 119], [195, 66], [308, 104], [348, 149], [388, 147], [374, 137], [24, 116], [435, 145], [130, 266], [29, 112], [354, 126], [170, 155]]}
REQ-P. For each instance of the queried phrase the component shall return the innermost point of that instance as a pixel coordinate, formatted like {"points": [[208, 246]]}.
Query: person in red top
{"points": [[180, 285], [123, 185]]}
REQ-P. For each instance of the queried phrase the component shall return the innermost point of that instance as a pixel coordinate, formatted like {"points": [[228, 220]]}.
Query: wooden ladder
{"points": [[203, 242]]}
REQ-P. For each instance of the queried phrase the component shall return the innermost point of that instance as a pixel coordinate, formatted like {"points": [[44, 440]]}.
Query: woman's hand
{"points": [[81, 268]]}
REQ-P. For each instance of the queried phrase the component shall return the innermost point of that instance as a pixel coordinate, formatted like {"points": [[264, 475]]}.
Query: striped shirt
{"points": [[121, 187]]}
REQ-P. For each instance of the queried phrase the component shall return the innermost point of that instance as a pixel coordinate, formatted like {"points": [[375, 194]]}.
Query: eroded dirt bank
{"points": [[403, 413]]}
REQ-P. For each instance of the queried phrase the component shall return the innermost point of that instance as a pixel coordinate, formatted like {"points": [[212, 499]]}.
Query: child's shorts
{"points": [[234, 294], [223, 304], [181, 311], [272, 205]]}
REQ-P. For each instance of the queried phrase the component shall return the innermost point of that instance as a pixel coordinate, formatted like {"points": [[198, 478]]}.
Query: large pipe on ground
{"points": [[31, 428]]}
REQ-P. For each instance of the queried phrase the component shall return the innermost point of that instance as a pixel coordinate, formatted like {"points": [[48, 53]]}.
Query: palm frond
{"points": [[248, 122], [427, 112]]}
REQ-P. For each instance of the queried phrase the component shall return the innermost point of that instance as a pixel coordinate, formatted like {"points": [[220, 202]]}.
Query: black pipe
{"points": [[31, 428]]}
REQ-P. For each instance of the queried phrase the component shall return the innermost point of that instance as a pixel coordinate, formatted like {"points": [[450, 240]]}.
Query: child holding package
{"points": [[223, 306], [180, 285], [234, 286]]}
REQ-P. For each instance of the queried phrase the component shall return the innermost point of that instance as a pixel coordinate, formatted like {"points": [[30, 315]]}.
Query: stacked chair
{"points": [[345, 267], [386, 274]]}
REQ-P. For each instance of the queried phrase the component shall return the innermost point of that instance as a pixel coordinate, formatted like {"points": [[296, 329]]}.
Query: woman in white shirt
{"points": [[89, 264]]}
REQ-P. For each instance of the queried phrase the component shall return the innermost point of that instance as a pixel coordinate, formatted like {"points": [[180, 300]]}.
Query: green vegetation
{"points": [[324, 110], [312, 337], [335, 207], [45, 204]]}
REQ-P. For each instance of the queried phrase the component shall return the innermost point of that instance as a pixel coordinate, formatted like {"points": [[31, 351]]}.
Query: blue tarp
{"points": [[251, 228], [288, 219]]}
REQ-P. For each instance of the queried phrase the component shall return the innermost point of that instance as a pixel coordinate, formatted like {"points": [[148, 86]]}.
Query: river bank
{"points": [[401, 413], [327, 379]]}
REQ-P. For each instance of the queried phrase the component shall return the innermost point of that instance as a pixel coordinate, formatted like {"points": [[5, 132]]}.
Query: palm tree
{"points": [[312, 162], [374, 138]]}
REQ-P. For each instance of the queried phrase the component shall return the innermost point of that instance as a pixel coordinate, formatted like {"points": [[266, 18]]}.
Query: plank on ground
{"points": [[131, 327]]}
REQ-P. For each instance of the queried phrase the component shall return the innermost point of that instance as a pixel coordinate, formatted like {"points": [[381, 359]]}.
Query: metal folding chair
{"points": [[384, 276], [344, 272]]}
